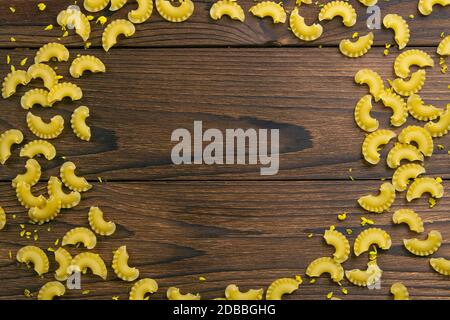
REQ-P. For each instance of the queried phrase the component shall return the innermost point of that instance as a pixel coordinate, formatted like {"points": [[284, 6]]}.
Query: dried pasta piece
{"points": [[2, 218], [420, 186], [50, 290], [373, 142], [64, 90], [121, 267], [398, 106], [68, 200], [44, 72], [441, 265], [426, 6], [420, 111], [326, 265], [33, 97], [280, 287], [98, 223], [12, 81], [26, 197], [444, 47], [399, 291], [91, 261], [173, 13], [71, 180], [86, 63], [340, 243], [95, 5], [424, 247], [80, 235], [47, 212], [114, 29], [78, 123], [142, 288], [400, 27], [64, 260], [77, 20], [232, 292], [303, 31], [45, 130], [7, 140], [404, 174], [228, 8], [441, 127], [420, 136], [409, 58], [142, 13], [269, 9], [38, 147], [369, 237], [175, 294], [36, 256], [411, 218], [358, 48], [364, 278], [402, 151], [368, 3], [380, 202], [372, 80], [52, 51], [117, 4], [362, 115], [339, 8], [411, 86]]}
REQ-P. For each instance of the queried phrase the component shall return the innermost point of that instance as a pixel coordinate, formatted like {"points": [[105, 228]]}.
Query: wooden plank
{"points": [[27, 26], [248, 233], [146, 94]]}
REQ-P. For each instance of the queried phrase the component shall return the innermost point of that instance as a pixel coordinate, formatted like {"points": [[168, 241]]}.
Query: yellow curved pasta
{"points": [[45, 130], [64, 260], [400, 27], [175, 294], [409, 58], [31, 176], [441, 265], [142, 288], [269, 9], [38, 147], [404, 174], [368, 3], [232, 292], [301, 30], [36, 256], [91, 261], [420, 111], [173, 13], [77, 20], [357, 48], [142, 13], [339, 8], [411, 86], [50, 290], [80, 235], [420, 136], [326, 265], [98, 223], [26, 197], [52, 51], [420, 186], [228, 8], [44, 72], [64, 90], [372, 80], [441, 127], [364, 278], [380, 202], [402, 151], [444, 47], [2, 219], [369, 237], [12, 81], [120, 265], [33, 97], [373, 142], [68, 200], [114, 29], [280, 287], [424, 247], [399, 291], [86, 63], [426, 6], [362, 115], [95, 5], [7, 140], [72, 181], [117, 4], [340, 243], [411, 218], [78, 123], [47, 212], [398, 106]]}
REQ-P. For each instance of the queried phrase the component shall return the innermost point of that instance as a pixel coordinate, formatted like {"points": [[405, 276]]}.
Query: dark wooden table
{"points": [[225, 223]]}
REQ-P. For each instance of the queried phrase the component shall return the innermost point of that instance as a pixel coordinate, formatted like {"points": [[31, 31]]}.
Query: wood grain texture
{"points": [[27, 26], [178, 231]]}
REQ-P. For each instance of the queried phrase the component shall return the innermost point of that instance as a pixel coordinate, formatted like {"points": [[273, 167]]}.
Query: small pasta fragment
{"points": [[358, 48], [420, 136], [232, 292], [38, 147], [280, 287], [399, 291], [64, 260], [228, 8], [420, 186], [404, 174], [71, 181], [326, 265], [400, 27], [173, 13], [68, 200], [269, 9], [114, 29], [175, 294], [86, 63], [369, 237], [75, 19], [381, 202], [80, 235], [78, 123], [64, 90], [411, 86], [368, 3], [45, 130], [2, 219], [339, 8], [409, 217], [47, 212], [98, 223], [372, 80], [91, 261], [340, 243], [12, 81], [7, 140], [426, 6], [44, 72], [121, 267], [95, 5], [52, 51], [444, 47], [420, 111], [402, 151], [33, 97], [424, 247], [409, 58], [303, 31], [373, 142], [398, 106], [364, 278], [36, 256], [362, 115], [142, 288], [50, 290], [26, 197], [441, 127], [441, 265]]}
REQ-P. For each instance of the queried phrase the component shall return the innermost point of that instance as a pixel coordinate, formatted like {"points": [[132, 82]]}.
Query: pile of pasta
{"points": [[414, 143]]}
